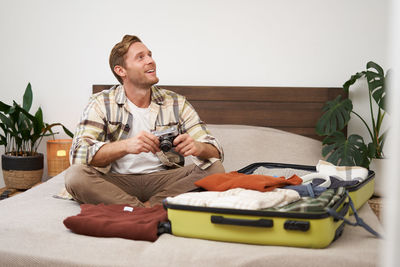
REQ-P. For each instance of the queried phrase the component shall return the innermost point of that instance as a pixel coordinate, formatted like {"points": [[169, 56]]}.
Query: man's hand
{"points": [[142, 142], [110, 152], [186, 146]]}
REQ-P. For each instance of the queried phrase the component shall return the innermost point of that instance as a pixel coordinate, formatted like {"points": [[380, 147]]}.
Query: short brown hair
{"points": [[117, 55]]}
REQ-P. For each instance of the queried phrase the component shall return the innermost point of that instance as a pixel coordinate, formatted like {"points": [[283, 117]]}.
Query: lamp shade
{"points": [[58, 155]]}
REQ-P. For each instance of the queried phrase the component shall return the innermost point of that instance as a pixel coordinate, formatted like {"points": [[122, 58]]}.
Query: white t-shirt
{"points": [[143, 162]]}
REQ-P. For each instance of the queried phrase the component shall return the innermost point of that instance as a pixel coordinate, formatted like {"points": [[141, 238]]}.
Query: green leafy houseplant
{"points": [[22, 131], [353, 150]]}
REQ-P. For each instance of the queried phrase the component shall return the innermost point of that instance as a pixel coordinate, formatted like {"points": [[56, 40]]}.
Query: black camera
{"points": [[167, 137]]}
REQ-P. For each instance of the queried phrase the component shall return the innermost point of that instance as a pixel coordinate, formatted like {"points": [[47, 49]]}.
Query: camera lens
{"points": [[165, 145]]}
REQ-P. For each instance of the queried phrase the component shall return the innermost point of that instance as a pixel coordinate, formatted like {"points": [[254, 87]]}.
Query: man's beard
{"points": [[146, 83]]}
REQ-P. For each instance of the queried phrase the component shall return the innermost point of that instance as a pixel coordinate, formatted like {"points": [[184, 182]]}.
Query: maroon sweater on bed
{"points": [[113, 221]]}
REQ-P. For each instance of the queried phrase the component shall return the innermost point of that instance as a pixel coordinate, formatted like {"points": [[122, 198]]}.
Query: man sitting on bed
{"points": [[116, 156]]}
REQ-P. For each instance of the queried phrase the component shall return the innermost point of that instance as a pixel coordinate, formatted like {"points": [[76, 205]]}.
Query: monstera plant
{"points": [[354, 150]]}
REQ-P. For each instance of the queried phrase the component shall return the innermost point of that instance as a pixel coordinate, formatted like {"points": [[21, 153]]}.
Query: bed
{"points": [[270, 124]]}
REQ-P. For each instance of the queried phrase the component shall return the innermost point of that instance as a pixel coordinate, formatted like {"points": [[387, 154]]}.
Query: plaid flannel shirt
{"points": [[321, 203], [106, 118]]}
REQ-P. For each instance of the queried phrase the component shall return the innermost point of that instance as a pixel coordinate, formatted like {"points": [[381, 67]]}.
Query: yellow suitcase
{"points": [[298, 229]]}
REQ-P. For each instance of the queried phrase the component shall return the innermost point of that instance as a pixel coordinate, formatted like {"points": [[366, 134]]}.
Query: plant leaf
{"points": [[381, 142], [38, 124], [28, 97], [50, 126], [376, 83], [387, 86], [25, 134], [352, 80], [18, 108], [68, 132], [336, 116], [4, 107], [373, 65], [7, 122], [372, 149], [3, 140], [343, 151]]}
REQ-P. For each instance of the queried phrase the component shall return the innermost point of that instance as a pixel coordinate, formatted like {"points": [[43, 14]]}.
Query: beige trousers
{"points": [[87, 185]]}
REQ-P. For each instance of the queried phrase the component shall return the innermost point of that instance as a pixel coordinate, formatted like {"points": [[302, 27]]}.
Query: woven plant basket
{"points": [[22, 172], [376, 206], [22, 179]]}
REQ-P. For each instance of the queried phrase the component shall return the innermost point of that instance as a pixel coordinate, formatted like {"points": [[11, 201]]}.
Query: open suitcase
{"points": [[313, 230], [264, 227], [359, 193]]}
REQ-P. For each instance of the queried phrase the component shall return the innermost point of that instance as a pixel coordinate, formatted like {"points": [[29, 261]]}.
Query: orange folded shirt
{"points": [[230, 180]]}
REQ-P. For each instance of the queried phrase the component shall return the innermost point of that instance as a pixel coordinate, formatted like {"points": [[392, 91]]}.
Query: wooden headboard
{"points": [[292, 109]]}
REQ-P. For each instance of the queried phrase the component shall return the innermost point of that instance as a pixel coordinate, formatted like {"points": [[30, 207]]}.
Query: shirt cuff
{"points": [[92, 151]]}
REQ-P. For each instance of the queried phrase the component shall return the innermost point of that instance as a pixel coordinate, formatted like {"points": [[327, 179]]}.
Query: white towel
{"points": [[345, 173], [237, 198], [285, 172]]}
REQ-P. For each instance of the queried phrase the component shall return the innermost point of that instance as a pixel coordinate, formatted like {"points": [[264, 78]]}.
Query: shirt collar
{"points": [[120, 96], [157, 95]]}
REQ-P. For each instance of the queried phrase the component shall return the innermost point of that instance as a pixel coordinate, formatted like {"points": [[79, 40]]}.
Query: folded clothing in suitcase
{"points": [[360, 191], [312, 227]]}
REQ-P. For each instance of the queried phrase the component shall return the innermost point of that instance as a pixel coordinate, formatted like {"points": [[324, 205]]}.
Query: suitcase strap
{"points": [[359, 221]]}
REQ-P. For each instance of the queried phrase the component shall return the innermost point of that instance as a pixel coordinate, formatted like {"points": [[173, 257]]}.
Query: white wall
{"points": [[62, 47]]}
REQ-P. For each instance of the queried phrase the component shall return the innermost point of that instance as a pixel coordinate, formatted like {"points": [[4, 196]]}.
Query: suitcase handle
{"points": [[359, 221], [241, 222]]}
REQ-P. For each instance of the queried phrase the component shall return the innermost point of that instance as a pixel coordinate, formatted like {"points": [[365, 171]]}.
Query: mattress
{"points": [[32, 232]]}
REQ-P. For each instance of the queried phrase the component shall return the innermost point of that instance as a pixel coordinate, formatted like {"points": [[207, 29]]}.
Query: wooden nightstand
{"points": [[6, 193]]}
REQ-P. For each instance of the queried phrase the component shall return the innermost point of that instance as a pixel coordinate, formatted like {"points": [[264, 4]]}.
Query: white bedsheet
{"points": [[32, 231]]}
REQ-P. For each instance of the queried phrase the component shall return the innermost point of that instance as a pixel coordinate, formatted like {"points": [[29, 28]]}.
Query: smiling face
{"points": [[139, 69]]}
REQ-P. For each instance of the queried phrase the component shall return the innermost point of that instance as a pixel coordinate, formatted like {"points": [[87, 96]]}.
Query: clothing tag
{"points": [[126, 208]]}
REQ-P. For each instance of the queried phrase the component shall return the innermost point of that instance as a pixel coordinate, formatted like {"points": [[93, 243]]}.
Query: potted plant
{"points": [[354, 150], [22, 134]]}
